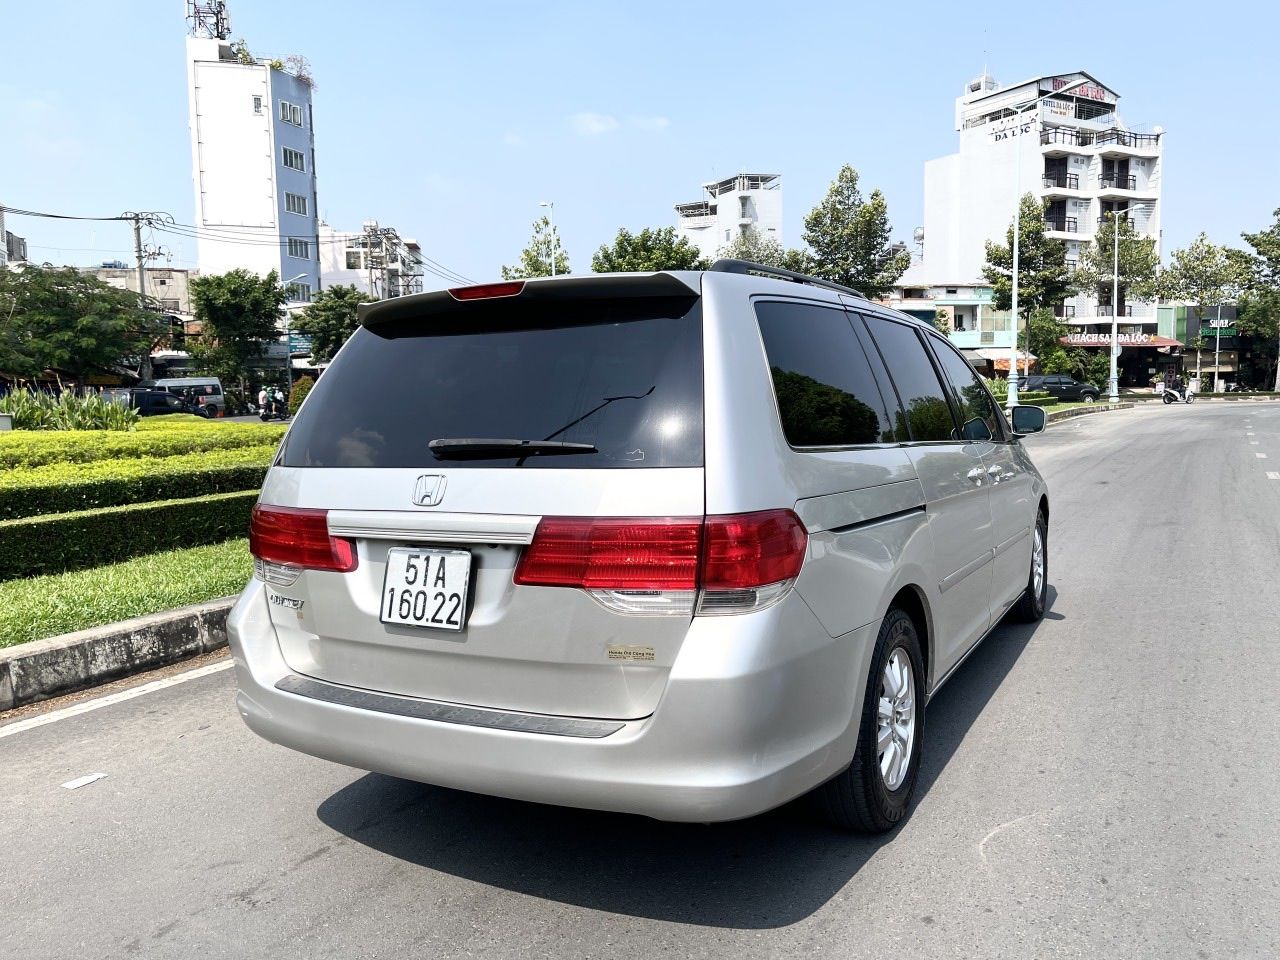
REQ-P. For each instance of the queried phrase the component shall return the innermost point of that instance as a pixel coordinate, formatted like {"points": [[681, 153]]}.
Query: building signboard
{"points": [[1123, 339], [1089, 91]]}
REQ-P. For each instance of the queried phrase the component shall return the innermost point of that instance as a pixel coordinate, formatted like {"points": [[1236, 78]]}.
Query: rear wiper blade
{"points": [[455, 448]]}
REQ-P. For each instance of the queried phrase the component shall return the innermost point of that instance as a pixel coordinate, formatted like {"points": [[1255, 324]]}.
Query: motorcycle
{"points": [[1177, 395], [274, 410]]}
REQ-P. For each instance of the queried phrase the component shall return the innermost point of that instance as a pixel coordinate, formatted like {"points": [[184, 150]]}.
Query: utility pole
{"points": [[138, 219]]}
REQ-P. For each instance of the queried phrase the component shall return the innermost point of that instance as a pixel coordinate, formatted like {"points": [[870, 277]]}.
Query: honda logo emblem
{"points": [[429, 490]]}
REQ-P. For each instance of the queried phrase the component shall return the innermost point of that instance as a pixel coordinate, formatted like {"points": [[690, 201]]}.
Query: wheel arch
{"points": [[910, 599]]}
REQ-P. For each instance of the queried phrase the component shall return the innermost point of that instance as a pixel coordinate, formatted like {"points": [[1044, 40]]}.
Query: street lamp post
{"points": [[552, 240], [1017, 234], [1113, 379], [1217, 350]]}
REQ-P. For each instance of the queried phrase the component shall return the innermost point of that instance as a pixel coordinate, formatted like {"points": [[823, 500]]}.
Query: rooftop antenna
{"points": [[209, 19]]}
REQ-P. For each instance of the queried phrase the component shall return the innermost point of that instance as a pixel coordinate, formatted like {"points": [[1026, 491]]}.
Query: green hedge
{"points": [[31, 449], [89, 538], [1037, 401], [65, 487], [1033, 395]]}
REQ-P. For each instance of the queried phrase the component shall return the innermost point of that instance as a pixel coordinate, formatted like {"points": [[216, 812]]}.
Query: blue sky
{"points": [[451, 121]]}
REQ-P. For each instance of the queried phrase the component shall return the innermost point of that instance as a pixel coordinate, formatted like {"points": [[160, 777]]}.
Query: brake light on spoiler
{"points": [[670, 565], [487, 291]]}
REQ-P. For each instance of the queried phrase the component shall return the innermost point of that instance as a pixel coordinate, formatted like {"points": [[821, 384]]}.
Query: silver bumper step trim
{"points": [[447, 712]]}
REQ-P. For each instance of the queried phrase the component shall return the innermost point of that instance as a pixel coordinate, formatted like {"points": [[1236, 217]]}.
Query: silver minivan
{"points": [[685, 544]]}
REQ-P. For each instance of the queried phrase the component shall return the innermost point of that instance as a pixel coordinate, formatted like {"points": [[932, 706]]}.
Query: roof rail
{"points": [[747, 267]]}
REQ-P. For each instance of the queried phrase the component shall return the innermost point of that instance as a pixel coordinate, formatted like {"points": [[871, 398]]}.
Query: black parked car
{"points": [[1061, 386], [150, 403]]}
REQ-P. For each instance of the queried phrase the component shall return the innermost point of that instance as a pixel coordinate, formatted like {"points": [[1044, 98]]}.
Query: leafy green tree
{"points": [[330, 318], [1043, 280], [848, 238], [57, 318], [239, 314], [755, 247], [301, 387], [1205, 274], [1042, 338], [1260, 315], [647, 251], [1139, 264], [536, 258], [942, 321]]}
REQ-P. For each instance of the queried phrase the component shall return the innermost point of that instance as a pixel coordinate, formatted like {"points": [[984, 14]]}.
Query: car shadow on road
{"points": [[767, 872]]}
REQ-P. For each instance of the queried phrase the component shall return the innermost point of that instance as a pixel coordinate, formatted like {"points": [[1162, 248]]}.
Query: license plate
{"points": [[426, 588]]}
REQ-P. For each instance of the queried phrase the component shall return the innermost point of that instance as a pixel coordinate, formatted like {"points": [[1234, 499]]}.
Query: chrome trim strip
{"points": [[974, 565], [1001, 548], [440, 712], [436, 527]]}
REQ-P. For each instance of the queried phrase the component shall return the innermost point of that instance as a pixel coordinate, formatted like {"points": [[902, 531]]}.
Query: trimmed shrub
{"points": [[90, 538], [301, 387], [31, 449], [1038, 401], [66, 487]]}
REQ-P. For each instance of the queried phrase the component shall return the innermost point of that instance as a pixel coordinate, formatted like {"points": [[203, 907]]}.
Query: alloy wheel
{"points": [[896, 718]]}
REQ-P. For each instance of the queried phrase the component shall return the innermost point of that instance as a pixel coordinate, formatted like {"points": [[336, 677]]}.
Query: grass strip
{"points": [[51, 605]]}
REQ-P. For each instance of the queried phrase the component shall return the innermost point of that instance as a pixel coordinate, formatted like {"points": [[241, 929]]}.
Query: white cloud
{"points": [[512, 139], [593, 124], [650, 124]]}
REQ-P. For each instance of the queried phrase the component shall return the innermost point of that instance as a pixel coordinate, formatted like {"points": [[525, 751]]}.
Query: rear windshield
{"points": [[625, 377]]}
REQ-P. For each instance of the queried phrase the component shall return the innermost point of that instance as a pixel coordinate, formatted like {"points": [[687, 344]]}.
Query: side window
{"points": [[979, 418], [827, 395], [925, 410]]}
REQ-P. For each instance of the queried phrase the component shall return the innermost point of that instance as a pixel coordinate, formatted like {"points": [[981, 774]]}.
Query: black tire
{"points": [[1191, 398], [1090, 398], [1168, 397], [1031, 605], [858, 798]]}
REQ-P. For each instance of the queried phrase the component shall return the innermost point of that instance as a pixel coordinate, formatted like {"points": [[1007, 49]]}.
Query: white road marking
{"points": [[1250, 433], [1253, 443], [1272, 475], [84, 781], [1261, 456], [90, 705]]}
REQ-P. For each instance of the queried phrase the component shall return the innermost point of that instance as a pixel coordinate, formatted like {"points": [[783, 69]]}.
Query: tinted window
{"points": [[927, 415], [826, 393], [625, 377], [979, 418]]}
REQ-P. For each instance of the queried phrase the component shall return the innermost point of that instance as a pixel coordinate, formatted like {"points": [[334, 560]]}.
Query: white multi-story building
{"points": [[1074, 151], [375, 260], [253, 162], [729, 207]]}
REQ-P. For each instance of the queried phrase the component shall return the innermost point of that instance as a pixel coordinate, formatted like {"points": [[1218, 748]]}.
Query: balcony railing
{"points": [[1067, 181], [1125, 138], [1073, 138], [1064, 310], [1113, 181], [1087, 138], [1061, 224], [1108, 218]]}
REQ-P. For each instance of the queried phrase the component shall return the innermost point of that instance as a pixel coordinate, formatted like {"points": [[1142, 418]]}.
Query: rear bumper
{"points": [[742, 727]]}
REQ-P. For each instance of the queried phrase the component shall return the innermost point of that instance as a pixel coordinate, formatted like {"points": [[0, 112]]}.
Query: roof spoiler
{"points": [[459, 300]]}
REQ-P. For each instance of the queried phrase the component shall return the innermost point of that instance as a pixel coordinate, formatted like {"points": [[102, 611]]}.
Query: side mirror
{"points": [[1028, 419]]}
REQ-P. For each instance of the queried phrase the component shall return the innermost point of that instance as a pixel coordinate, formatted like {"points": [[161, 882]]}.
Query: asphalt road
{"points": [[1101, 786]]}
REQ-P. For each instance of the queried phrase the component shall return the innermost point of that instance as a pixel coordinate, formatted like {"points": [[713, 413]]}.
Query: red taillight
{"points": [[298, 537], [732, 552], [612, 553], [486, 291], [752, 549]]}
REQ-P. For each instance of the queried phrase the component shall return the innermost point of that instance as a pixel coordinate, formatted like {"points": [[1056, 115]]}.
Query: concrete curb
{"points": [[1085, 411], [47, 668]]}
